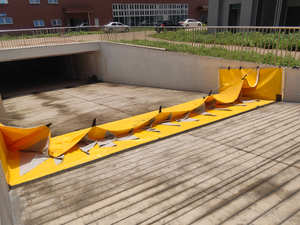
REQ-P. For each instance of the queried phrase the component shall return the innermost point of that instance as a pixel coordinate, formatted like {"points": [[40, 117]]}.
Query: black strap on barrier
{"points": [[94, 123], [48, 125], [160, 107], [210, 93]]}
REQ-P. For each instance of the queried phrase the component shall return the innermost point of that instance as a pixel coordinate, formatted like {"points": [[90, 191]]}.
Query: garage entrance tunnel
{"points": [[38, 75]]}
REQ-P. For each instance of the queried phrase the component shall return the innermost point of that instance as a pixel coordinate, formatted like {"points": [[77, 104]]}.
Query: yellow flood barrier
{"points": [[233, 83]]}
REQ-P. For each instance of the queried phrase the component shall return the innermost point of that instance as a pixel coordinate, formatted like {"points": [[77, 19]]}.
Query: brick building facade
{"points": [[21, 14]]}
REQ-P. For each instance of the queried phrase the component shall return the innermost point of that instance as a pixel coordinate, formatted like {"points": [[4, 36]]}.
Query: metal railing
{"points": [[266, 45]]}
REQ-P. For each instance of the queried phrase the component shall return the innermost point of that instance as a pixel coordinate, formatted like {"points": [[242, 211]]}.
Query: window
{"points": [[146, 12], [56, 22], [142, 13], [38, 23], [120, 6], [136, 13], [146, 6], [141, 6], [114, 6], [34, 2], [52, 1], [4, 2], [136, 6], [6, 20], [161, 6]]}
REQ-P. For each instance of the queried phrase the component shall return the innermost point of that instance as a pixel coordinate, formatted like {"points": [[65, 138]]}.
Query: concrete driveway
{"points": [[71, 109], [243, 170]]}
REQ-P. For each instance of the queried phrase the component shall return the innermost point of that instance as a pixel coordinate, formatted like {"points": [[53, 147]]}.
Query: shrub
{"points": [[263, 39], [221, 52]]}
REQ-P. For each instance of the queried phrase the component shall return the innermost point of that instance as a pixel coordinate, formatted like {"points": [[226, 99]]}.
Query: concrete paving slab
{"points": [[238, 171], [71, 109]]}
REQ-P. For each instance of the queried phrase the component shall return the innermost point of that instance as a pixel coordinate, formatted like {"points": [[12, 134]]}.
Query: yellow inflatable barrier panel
{"points": [[31, 154]]}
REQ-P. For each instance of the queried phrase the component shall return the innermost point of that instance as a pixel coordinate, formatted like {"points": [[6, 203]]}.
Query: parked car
{"points": [[147, 23], [83, 24], [166, 25], [116, 27], [190, 22], [82, 27]]}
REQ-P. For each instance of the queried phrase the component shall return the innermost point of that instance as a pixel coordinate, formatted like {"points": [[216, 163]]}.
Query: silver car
{"points": [[190, 22], [116, 27]]}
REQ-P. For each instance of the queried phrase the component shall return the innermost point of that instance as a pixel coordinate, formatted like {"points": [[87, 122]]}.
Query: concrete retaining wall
{"points": [[157, 68], [3, 119], [162, 69], [292, 86], [5, 207], [84, 65]]}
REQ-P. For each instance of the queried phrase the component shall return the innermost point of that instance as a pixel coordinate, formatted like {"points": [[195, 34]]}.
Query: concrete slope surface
{"points": [[71, 109], [243, 170]]}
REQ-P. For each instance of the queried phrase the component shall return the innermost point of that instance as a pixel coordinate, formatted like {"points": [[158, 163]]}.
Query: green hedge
{"points": [[221, 52], [249, 39]]}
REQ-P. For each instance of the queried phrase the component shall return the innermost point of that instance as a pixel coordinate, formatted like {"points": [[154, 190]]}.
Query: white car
{"points": [[190, 23], [116, 27]]}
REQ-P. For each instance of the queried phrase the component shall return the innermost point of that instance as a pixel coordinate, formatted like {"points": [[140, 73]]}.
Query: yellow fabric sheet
{"points": [[76, 157], [228, 93], [268, 86], [4, 157], [62, 144], [227, 76], [21, 138], [232, 85]]}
